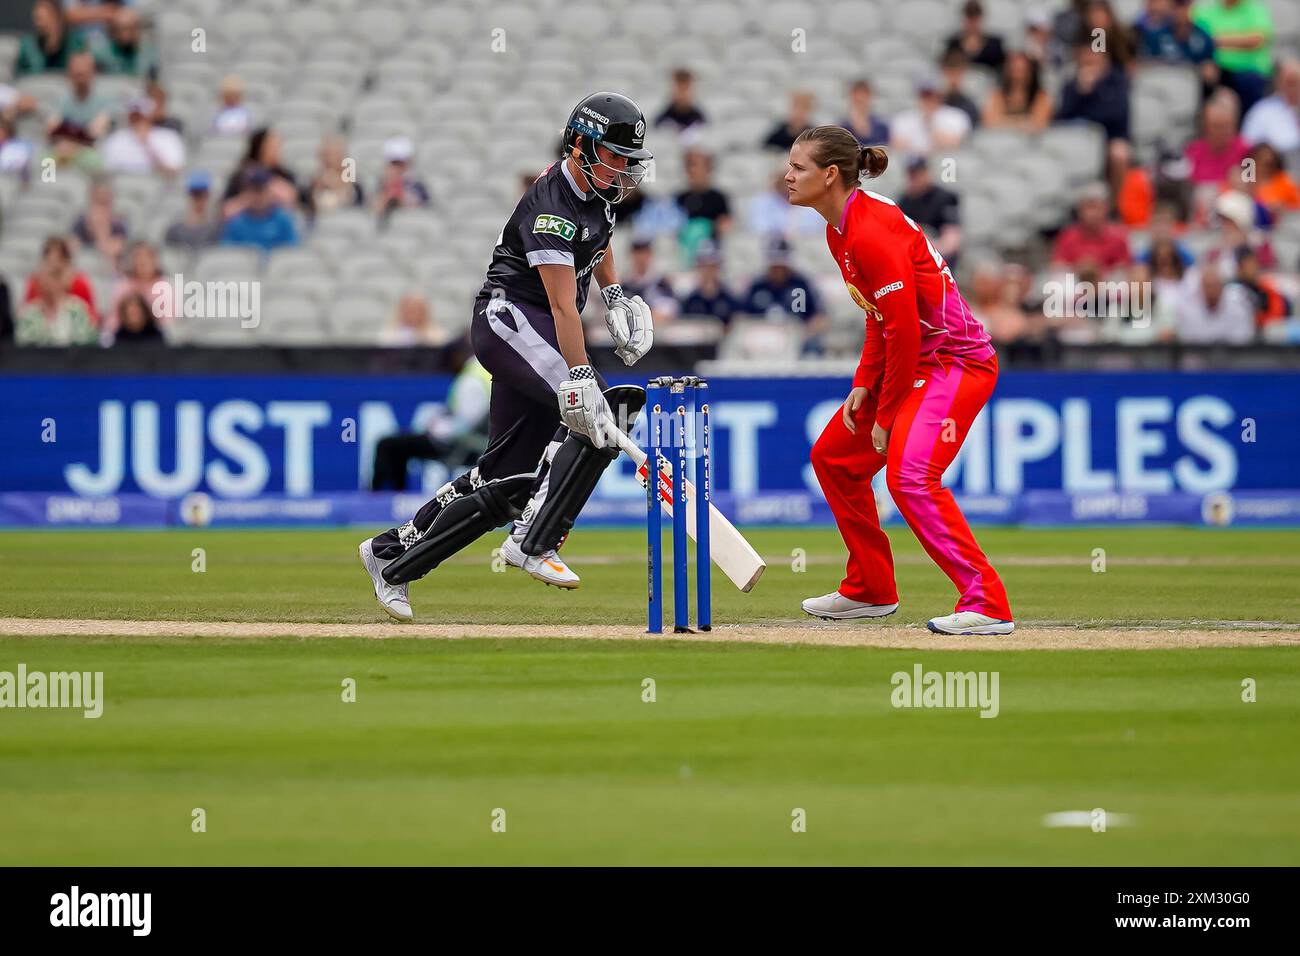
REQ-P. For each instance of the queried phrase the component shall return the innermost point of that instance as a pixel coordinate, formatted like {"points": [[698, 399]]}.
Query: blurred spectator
{"points": [[1103, 30], [121, 50], [100, 227], [1164, 267], [996, 300], [706, 209], [1092, 241], [1242, 31], [933, 207], [399, 187], [91, 16], [140, 277], [233, 118], [53, 43], [54, 317], [1270, 305], [6, 313], [770, 213], [455, 433], [1236, 227], [197, 229], [15, 153], [135, 323], [158, 96], [1209, 311], [1130, 184], [953, 68], [869, 128], [1039, 43], [1276, 119], [710, 297], [782, 291], [1098, 92], [15, 102], [930, 125], [681, 113], [56, 261], [1164, 226], [643, 279], [1219, 151], [412, 325], [978, 46], [798, 119], [1019, 102], [1273, 188], [81, 107], [334, 186], [140, 147], [262, 222], [263, 154], [1167, 33]]}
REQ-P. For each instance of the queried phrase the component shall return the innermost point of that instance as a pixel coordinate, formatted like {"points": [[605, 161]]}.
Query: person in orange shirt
{"points": [[1274, 189]]}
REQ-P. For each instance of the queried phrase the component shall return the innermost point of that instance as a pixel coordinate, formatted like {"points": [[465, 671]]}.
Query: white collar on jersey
{"points": [[573, 183]]}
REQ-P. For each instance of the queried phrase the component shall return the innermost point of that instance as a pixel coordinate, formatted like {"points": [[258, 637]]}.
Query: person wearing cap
{"points": [[197, 229], [398, 188], [140, 147], [262, 222], [935, 208], [1237, 220], [1039, 43], [710, 297], [1092, 241], [783, 291], [978, 46], [233, 118], [930, 125]]}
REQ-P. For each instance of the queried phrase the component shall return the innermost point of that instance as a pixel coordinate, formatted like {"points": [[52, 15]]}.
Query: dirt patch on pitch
{"points": [[849, 634]]}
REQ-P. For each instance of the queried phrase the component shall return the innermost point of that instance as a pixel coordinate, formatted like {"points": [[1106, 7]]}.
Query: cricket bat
{"points": [[727, 546]]}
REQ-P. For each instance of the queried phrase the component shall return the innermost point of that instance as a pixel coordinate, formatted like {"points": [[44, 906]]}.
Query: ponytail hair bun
{"points": [[872, 160]]}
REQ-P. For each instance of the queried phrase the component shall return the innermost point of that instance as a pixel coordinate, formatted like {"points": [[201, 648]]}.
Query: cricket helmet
{"points": [[615, 122]]}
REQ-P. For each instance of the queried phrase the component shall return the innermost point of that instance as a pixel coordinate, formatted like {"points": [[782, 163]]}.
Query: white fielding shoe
{"points": [[549, 568], [970, 622], [392, 597], [836, 607]]}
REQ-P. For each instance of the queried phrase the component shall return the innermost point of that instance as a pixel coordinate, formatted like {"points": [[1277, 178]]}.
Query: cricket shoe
{"points": [[392, 597], [548, 567], [836, 607], [970, 622]]}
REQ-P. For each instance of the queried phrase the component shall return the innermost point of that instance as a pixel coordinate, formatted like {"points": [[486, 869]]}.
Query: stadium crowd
{"points": [[1201, 235]]}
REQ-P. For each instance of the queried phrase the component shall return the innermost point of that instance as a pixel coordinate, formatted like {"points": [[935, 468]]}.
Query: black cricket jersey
{"points": [[554, 224]]}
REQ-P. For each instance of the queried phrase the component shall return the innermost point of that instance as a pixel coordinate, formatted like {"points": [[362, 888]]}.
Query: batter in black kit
{"points": [[546, 448]]}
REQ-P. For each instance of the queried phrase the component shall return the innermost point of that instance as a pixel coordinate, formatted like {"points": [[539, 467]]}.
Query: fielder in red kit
{"points": [[927, 369]]}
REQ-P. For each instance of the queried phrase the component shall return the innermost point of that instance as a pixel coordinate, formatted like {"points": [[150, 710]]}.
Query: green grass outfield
{"points": [[556, 733]]}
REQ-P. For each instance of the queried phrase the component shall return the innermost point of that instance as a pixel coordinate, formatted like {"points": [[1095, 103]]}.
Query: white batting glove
{"points": [[582, 404], [630, 324]]}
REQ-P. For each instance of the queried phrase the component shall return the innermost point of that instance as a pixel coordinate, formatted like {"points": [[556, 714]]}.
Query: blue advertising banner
{"points": [[1084, 446]]}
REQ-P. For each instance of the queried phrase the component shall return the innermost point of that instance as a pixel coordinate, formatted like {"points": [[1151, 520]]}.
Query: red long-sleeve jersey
{"points": [[914, 314]]}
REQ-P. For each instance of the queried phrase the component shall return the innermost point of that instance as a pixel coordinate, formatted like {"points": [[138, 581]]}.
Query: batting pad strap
{"points": [[612, 293]]}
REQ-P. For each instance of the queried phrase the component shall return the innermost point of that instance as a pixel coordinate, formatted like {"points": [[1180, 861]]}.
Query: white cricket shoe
{"points": [[549, 567], [970, 622], [392, 597], [836, 607]]}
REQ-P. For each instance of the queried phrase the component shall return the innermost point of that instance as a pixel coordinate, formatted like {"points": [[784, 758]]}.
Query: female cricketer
{"points": [[546, 443], [927, 369]]}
